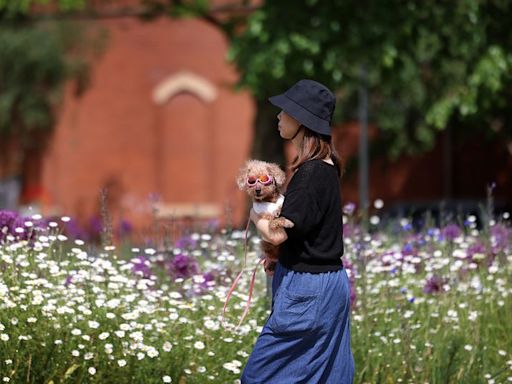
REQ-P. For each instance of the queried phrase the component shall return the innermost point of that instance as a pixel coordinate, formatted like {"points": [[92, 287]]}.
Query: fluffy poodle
{"points": [[263, 182]]}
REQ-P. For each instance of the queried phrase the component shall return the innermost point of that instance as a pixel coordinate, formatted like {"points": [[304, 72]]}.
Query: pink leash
{"points": [[233, 286]]}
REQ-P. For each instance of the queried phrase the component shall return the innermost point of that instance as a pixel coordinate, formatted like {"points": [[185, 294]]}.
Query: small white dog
{"points": [[263, 182]]}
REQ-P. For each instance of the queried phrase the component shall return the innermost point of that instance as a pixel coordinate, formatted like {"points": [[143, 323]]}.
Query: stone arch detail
{"points": [[184, 81]]}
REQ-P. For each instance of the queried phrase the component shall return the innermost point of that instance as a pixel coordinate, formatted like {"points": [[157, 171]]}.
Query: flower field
{"points": [[428, 306]]}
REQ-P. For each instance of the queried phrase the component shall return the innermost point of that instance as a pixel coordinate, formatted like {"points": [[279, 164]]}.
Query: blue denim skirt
{"points": [[306, 338]]}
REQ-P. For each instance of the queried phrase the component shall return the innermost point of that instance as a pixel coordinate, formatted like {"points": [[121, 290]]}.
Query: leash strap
{"points": [[246, 310], [235, 282]]}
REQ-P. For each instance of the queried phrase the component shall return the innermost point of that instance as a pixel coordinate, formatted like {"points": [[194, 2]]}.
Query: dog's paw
{"points": [[280, 222], [269, 267], [288, 223]]}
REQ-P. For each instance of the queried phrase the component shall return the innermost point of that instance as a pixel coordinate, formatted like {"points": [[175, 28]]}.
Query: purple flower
{"points": [[212, 225], [124, 229], [407, 249], [434, 285], [185, 242], [10, 220], [477, 248], [407, 227], [69, 280], [141, 265], [208, 276], [349, 208], [349, 230], [74, 230], [206, 283], [182, 266], [7, 217], [95, 226], [501, 235], [451, 231]]}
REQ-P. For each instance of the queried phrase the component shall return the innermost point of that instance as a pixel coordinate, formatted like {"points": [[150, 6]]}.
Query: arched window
{"points": [[184, 82]]}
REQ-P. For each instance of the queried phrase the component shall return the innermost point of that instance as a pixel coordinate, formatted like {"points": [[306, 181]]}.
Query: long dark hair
{"points": [[317, 146]]}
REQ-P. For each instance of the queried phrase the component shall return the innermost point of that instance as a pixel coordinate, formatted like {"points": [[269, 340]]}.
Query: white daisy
{"points": [[199, 345], [167, 346]]}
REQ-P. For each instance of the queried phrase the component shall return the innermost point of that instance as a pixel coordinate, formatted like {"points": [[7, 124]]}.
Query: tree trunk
{"points": [[11, 160], [448, 163], [267, 144]]}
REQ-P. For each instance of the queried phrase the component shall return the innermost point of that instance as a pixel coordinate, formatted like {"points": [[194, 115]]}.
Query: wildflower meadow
{"points": [[430, 304]]}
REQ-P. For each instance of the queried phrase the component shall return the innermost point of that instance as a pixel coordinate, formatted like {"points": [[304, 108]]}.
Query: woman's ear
{"points": [[277, 173]]}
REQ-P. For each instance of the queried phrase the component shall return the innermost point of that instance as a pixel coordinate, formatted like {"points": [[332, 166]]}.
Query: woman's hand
{"points": [[262, 225]]}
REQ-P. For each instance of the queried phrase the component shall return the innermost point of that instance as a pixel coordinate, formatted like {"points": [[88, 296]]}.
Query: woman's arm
{"points": [[262, 225]]}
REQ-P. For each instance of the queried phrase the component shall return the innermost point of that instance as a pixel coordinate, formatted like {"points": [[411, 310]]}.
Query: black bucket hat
{"points": [[309, 102]]}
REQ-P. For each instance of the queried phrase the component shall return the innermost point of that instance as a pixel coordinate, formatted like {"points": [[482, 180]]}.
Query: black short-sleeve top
{"points": [[313, 202]]}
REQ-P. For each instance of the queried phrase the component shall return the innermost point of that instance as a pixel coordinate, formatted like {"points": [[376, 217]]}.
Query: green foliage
{"points": [[32, 66], [35, 61], [429, 64], [196, 8], [13, 7]]}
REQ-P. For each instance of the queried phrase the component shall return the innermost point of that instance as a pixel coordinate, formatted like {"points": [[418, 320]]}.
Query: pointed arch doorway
{"points": [[184, 152]]}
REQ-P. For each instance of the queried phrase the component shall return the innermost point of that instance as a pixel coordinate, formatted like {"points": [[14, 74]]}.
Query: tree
{"points": [[15, 8], [35, 61], [430, 64]]}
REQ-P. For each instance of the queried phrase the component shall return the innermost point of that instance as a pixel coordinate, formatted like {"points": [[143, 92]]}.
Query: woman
{"points": [[306, 338]]}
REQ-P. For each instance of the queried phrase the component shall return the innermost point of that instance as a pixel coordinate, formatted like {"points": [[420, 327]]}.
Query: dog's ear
{"points": [[277, 173], [242, 176]]}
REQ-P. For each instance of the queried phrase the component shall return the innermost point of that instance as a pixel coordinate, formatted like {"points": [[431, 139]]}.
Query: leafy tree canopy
{"points": [[429, 64], [14, 7], [36, 58], [34, 62]]}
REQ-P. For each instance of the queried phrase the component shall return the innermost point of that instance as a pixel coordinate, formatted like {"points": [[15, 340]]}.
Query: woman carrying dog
{"points": [[306, 338]]}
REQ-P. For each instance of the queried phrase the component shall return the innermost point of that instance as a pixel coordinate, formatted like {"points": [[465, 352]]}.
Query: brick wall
{"points": [[183, 150]]}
